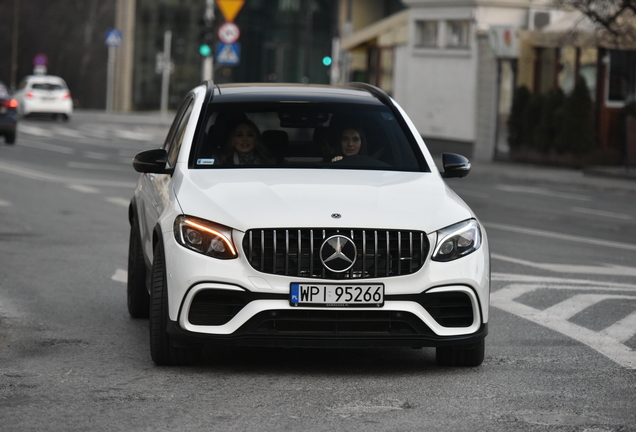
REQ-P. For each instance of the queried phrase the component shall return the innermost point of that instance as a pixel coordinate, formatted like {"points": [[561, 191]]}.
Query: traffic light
{"points": [[206, 41], [326, 60], [206, 36], [205, 50]]}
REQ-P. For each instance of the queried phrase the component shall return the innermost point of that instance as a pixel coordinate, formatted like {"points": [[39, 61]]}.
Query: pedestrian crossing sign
{"points": [[228, 54]]}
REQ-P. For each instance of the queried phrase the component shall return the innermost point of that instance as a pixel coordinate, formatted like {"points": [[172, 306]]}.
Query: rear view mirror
{"points": [[152, 162], [455, 166]]}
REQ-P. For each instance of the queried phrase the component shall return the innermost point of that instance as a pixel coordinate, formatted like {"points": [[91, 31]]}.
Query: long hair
{"points": [[363, 140], [263, 153]]}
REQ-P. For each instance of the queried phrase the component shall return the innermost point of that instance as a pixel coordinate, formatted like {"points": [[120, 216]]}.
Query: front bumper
{"points": [[249, 335], [444, 303]]}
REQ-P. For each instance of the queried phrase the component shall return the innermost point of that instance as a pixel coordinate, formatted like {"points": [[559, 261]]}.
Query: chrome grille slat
{"points": [[380, 253]]}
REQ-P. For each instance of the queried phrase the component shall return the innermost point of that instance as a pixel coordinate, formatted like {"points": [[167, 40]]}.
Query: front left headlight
{"points": [[205, 237], [457, 241]]}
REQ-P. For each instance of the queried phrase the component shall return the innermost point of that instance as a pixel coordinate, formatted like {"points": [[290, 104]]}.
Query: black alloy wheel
{"points": [[138, 296], [162, 349]]}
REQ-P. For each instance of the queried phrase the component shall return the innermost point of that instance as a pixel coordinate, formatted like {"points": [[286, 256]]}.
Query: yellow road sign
{"points": [[230, 8]]}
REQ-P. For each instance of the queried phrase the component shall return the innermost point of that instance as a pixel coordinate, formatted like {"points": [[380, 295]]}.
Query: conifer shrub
{"points": [[547, 127], [520, 100], [576, 128]]}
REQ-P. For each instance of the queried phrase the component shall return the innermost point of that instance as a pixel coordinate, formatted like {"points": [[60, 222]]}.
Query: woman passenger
{"points": [[351, 143], [244, 146]]}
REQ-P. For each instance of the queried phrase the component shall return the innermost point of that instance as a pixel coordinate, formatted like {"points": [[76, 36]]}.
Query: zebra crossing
{"points": [[616, 339], [92, 131]]}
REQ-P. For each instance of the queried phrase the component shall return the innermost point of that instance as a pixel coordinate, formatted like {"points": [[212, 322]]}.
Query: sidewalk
{"points": [[605, 178]]}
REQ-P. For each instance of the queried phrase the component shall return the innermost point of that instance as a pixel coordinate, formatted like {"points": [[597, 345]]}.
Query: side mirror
{"points": [[455, 166], [152, 162]]}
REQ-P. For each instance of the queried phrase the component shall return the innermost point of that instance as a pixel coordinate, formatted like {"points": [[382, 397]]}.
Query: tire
{"points": [[138, 296], [162, 349], [461, 355]]}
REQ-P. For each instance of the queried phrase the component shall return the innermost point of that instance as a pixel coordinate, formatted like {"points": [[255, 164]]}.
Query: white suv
{"points": [[303, 216], [44, 95]]}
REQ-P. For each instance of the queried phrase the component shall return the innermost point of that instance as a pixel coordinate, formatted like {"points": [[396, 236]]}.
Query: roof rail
{"points": [[375, 91]]}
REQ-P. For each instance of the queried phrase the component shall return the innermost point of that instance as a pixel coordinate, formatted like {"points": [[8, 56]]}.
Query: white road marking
{"points": [[95, 166], [559, 236], [606, 269], [601, 213], [120, 275], [67, 132], [622, 330], [38, 175], [4, 203], [49, 147], [96, 155], [545, 192], [118, 201], [578, 303], [34, 130], [555, 318], [562, 283], [83, 188], [133, 135]]}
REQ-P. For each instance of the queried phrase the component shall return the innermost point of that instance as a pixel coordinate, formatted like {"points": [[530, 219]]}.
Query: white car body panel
{"points": [[300, 198]]}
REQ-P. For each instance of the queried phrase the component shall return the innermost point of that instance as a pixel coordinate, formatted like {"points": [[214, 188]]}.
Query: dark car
{"points": [[8, 115]]}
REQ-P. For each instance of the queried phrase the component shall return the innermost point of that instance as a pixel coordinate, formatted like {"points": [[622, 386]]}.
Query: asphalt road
{"points": [[561, 354]]}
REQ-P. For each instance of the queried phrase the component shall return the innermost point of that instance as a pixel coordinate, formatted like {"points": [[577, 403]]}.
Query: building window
{"points": [[426, 34], [622, 76], [457, 34]]}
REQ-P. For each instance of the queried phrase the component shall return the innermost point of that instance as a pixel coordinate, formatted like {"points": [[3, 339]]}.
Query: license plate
{"points": [[337, 295]]}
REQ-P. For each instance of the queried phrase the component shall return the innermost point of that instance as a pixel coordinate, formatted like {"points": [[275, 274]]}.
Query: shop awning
{"points": [[390, 31]]}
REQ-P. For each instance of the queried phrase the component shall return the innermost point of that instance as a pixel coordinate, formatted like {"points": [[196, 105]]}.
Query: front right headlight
{"points": [[207, 238], [457, 241]]}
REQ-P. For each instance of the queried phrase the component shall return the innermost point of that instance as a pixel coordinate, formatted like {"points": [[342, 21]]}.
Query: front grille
{"points": [[296, 252]]}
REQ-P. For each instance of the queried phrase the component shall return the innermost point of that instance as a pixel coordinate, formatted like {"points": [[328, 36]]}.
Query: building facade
{"points": [[454, 66]]}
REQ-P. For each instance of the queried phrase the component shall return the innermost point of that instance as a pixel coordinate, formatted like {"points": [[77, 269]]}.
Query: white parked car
{"points": [[45, 95], [303, 216]]}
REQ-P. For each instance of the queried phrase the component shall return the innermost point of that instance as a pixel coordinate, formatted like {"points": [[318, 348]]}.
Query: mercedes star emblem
{"points": [[338, 253]]}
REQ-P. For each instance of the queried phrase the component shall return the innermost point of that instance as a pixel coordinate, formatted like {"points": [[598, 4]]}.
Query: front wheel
{"points": [[461, 355], [138, 296], [10, 138], [162, 349]]}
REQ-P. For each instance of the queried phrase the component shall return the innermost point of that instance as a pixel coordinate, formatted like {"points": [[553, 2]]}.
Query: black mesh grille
{"points": [[449, 309], [210, 307], [344, 323], [296, 252]]}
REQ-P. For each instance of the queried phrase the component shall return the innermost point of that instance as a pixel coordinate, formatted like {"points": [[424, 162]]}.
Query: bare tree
{"points": [[616, 19]]}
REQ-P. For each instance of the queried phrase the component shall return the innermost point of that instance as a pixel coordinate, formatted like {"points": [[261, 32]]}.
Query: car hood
{"points": [[301, 198]]}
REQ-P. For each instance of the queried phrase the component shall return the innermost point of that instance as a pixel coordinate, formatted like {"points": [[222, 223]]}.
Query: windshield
{"points": [[310, 135]]}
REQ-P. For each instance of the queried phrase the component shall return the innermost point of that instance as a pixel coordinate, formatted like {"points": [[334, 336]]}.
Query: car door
{"points": [[155, 191]]}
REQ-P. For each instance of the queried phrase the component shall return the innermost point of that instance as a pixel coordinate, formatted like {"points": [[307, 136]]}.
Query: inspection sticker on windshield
{"points": [[337, 295]]}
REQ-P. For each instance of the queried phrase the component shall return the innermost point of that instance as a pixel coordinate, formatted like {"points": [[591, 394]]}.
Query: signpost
{"points": [[228, 54], [228, 51], [113, 40], [229, 33], [40, 62]]}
